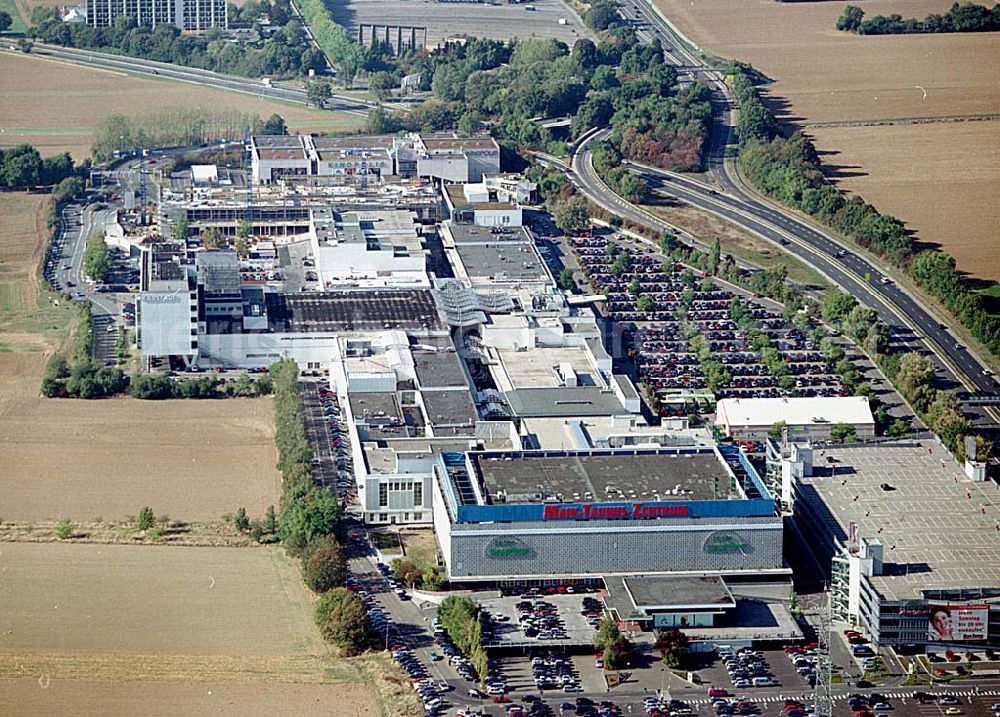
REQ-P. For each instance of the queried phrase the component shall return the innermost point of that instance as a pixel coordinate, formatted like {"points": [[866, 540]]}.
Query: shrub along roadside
{"points": [[461, 617]]}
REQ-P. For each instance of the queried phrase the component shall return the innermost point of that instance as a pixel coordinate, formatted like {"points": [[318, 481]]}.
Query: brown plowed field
{"points": [[73, 698], [148, 600], [943, 178], [190, 460], [57, 106], [933, 178]]}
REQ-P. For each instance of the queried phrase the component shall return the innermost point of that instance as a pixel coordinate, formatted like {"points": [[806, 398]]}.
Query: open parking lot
{"points": [[551, 621], [326, 434], [686, 306]]}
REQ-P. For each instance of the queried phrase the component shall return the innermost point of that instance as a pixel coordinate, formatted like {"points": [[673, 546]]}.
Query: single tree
{"points": [[318, 92], [324, 566], [776, 430], [275, 125], [566, 280], [64, 530], [212, 238], [240, 521], [343, 620], [844, 433], [406, 571], [672, 645], [5, 21], [571, 215], [146, 519], [182, 230]]}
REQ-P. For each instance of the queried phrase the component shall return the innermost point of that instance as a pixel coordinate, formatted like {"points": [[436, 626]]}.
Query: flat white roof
{"points": [[202, 173], [793, 411]]}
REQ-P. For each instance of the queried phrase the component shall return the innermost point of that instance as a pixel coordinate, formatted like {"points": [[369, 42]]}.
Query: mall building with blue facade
{"points": [[689, 519]]}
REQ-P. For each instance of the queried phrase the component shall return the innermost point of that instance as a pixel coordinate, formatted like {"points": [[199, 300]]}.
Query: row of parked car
{"points": [[339, 444], [661, 707], [725, 707]]}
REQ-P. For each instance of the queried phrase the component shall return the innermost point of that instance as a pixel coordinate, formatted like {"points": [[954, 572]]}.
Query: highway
{"points": [[275, 91], [844, 266]]}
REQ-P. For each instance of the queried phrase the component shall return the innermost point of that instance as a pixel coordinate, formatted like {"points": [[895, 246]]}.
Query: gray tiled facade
{"points": [[728, 545]]}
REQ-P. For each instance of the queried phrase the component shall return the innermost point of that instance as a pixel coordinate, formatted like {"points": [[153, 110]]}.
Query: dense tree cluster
{"points": [[283, 52], [22, 167], [343, 620], [966, 17], [788, 169], [508, 86]]}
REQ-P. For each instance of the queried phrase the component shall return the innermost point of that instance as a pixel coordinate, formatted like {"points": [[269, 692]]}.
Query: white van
{"points": [[762, 682]]}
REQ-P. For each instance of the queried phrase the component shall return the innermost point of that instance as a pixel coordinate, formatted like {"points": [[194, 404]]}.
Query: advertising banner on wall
{"points": [[953, 623]]}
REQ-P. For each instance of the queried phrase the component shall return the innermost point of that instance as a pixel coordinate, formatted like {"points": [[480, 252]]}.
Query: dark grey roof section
{"points": [[562, 401], [658, 591], [353, 311], [450, 409], [438, 369], [571, 476]]}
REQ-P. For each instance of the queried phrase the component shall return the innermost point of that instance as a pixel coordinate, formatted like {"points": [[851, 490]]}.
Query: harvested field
{"points": [[827, 75], [78, 697], [941, 179], [58, 106], [191, 460], [936, 178], [29, 318], [144, 600]]}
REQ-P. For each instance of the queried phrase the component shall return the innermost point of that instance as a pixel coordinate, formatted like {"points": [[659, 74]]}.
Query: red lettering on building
{"points": [[636, 511]]}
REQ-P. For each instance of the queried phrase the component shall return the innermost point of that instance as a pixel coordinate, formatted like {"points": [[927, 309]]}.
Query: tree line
{"points": [[788, 169], [966, 17], [158, 387], [310, 521], [176, 127], [284, 52], [462, 618]]}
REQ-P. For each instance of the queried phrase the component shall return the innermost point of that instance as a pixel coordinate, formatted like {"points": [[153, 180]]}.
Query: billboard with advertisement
{"points": [[957, 623]]}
